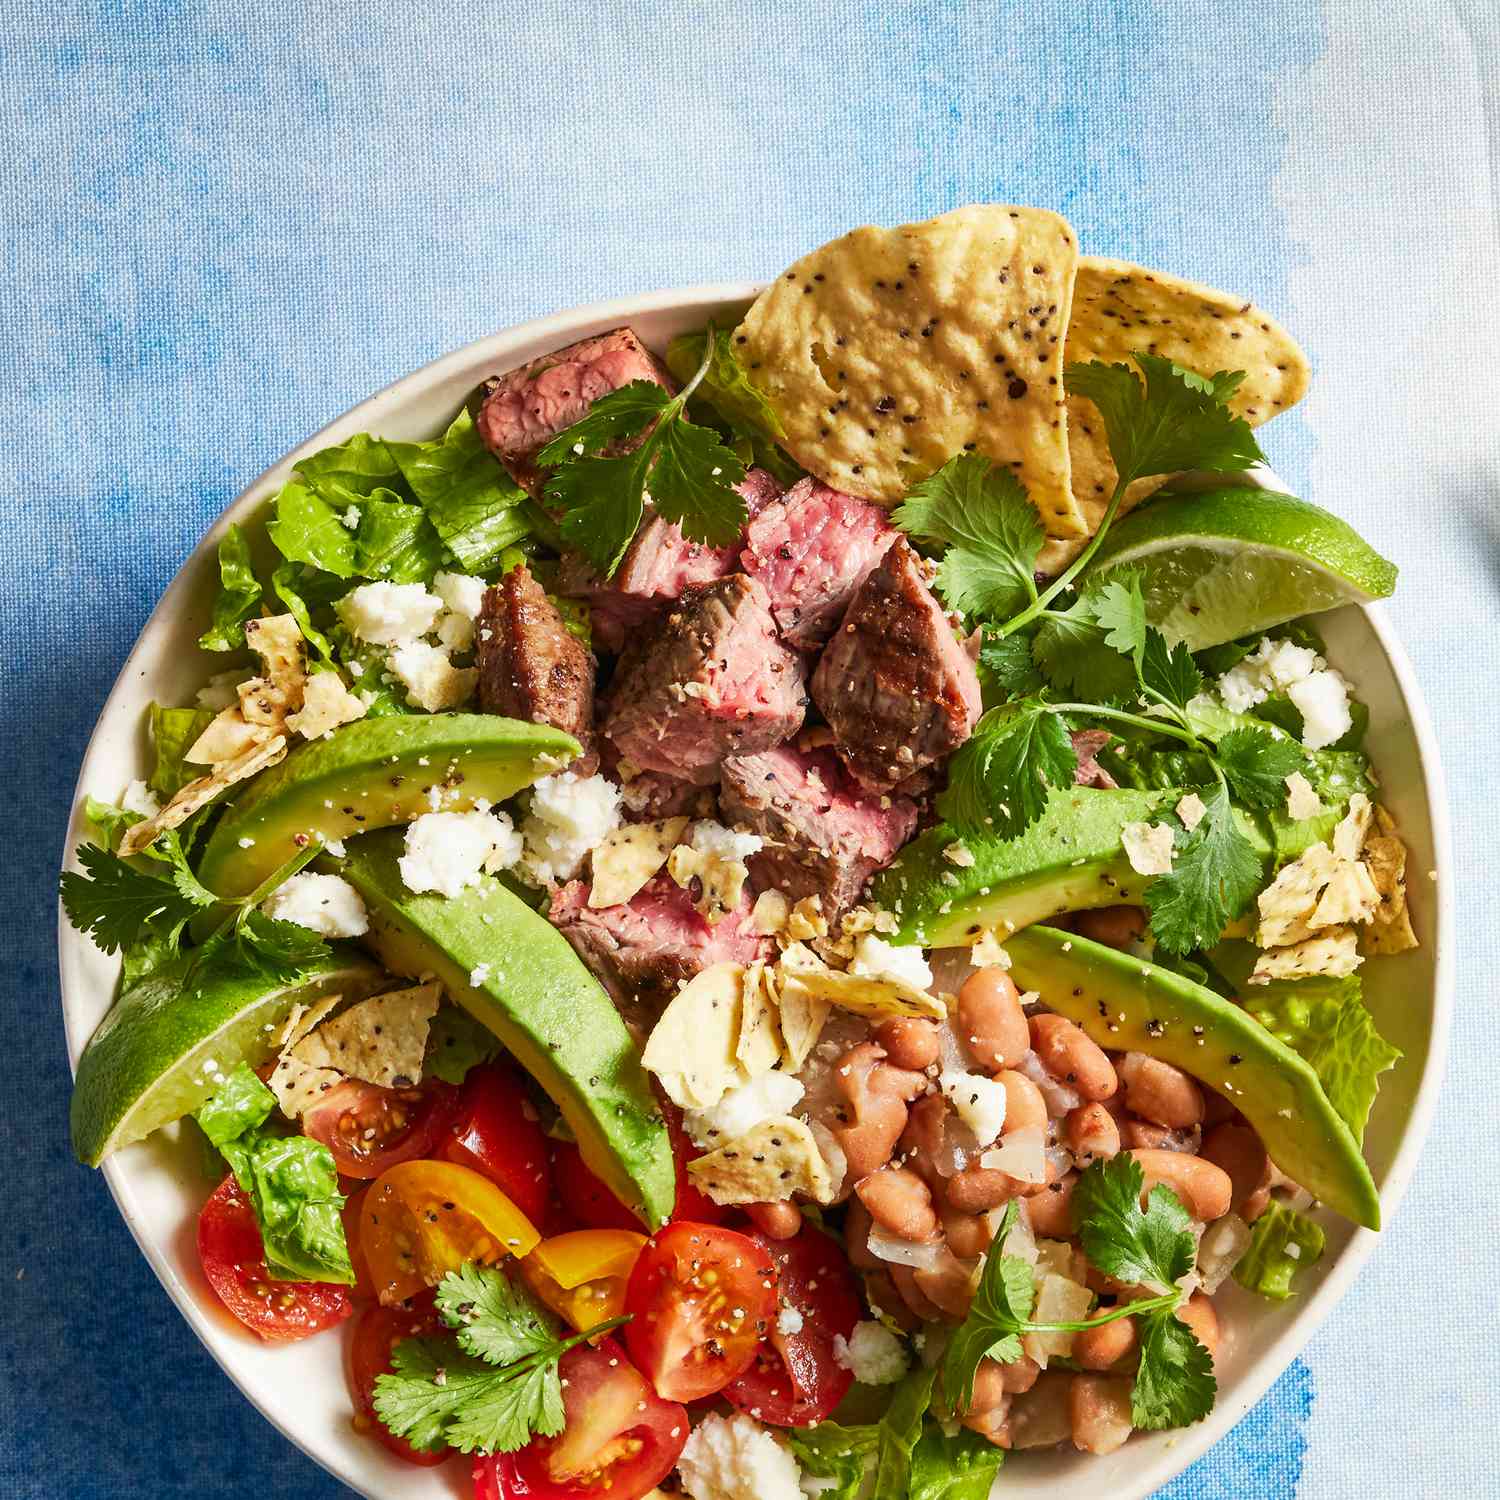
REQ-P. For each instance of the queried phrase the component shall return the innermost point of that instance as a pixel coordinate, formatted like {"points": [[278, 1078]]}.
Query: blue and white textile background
{"points": [[224, 224]]}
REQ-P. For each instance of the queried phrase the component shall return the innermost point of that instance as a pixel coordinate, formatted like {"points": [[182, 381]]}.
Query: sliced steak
{"points": [[1087, 743], [712, 680], [824, 836], [527, 407], [895, 683], [811, 550], [658, 565], [642, 950], [530, 667]]}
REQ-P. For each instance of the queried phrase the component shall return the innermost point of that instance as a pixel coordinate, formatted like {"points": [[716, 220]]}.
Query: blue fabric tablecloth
{"points": [[224, 224]]}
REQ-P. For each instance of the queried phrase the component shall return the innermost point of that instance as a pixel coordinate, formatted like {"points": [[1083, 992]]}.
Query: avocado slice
{"points": [[1125, 1003], [512, 970], [370, 774]]}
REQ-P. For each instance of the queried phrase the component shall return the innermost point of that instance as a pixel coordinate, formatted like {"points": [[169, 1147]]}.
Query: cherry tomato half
{"points": [[422, 1219], [701, 1297], [376, 1333], [352, 1214], [234, 1260], [794, 1380], [582, 1275], [369, 1128], [619, 1440], [495, 1131]]}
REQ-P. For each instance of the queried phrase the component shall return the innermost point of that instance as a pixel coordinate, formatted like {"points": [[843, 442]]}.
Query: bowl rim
{"points": [[1263, 1369]]}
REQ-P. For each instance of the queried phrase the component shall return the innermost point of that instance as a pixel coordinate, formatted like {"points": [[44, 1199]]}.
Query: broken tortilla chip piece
{"points": [[278, 641], [326, 704], [770, 913], [1350, 896], [627, 858], [801, 1018], [1349, 837], [1148, 847], [226, 736], [721, 879], [1390, 929], [1333, 953], [804, 974], [887, 351], [758, 1047], [1288, 903], [772, 1162], [691, 1048], [381, 1040], [200, 793]]}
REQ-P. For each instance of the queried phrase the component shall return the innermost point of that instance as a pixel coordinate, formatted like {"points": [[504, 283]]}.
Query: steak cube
{"points": [[824, 836], [712, 680], [895, 683], [526, 408], [530, 667], [811, 550]]}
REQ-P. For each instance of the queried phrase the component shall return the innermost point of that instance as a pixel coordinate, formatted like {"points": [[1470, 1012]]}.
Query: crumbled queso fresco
{"points": [[569, 817], [735, 1458], [872, 1354], [327, 904], [1320, 694], [448, 851], [875, 958], [742, 1109]]}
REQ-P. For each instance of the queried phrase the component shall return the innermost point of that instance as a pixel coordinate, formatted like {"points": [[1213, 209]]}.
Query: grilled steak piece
{"points": [[530, 667], [642, 950], [812, 549], [711, 681], [527, 407], [1087, 743], [895, 683], [824, 836], [658, 565]]}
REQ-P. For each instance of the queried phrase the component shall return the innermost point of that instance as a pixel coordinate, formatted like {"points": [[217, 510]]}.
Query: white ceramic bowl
{"points": [[301, 1389]]}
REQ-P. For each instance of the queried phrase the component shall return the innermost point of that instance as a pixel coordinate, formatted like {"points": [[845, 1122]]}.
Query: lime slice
{"points": [[157, 1053], [1230, 562]]}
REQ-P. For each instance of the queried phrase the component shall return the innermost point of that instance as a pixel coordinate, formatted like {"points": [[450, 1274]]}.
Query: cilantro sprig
{"points": [[493, 1392], [685, 470], [1151, 1246]]}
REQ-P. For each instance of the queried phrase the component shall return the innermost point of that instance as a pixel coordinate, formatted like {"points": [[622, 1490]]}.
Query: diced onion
{"points": [[832, 1153], [1058, 1300], [953, 1052], [1059, 1098], [960, 1146], [1022, 1154], [920, 1255]]}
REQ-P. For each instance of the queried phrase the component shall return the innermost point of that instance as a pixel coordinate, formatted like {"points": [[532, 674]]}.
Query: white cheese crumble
{"points": [[324, 903], [978, 1101], [448, 851], [872, 1354], [788, 1320], [742, 1109], [1301, 800], [431, 680], [735, 1458], [462, 597], [569, 817], [221, 690], [1323, 701], [1191, 809], [1148, 847], [875, 958], [710, 837], [1320, 694], [139, 798], [390, 614]]}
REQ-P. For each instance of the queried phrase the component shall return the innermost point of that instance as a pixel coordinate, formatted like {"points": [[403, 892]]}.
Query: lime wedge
{"points": [[157, 1053], [1225, 563]]}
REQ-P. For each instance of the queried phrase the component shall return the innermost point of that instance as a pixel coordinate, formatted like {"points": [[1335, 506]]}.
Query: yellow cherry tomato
{"points": [[423, 1219], [581, 1276]]}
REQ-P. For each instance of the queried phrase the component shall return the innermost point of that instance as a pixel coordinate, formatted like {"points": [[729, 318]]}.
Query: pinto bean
{"points": [[968, 1235], [1071, 1057], [857, 1224], [1237, 1149], [1025, 1108], [777, 1221], [991, 1020], [1143, 1135], [1050, 1213], [1205, 1190], [900, 1202], [913, 1295], [1040, 1417], [1104, 1347], [1159, 1092], [950, 1289], [1199, 1315], [994, 1382], [923, 1138], [992, 1425], [1099, 1410], [875, 1096], [976, 1190], [1114, 926], [1090, 1131], [881, 1291], [909, 1042]]}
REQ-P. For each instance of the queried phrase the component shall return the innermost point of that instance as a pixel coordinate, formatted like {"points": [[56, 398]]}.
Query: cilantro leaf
{"points": [[1169, 671], [615, 416], [992, 533], [1073, 651], [1119, 609], [1167, 418], [1153, 1246], [495, 1322], [603, 500], [279, 951], [116, 903], [1174, 1382], [1000, 777], [1256, 764], [1268, 1265], [693, 483], [238, 597], [1008, 660], [1213, 878], [998, 1313]]}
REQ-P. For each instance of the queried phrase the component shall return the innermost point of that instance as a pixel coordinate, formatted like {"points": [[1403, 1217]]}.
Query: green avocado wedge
{"points": [[160, 1051], [512, 970], [1125, 1003], [371, 774]]}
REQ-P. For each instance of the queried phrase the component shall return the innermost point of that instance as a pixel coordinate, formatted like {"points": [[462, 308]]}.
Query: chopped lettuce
{"points": [[240, 1103], [961, 1467], [361, 466], [366, 668], [456, 1042], [173, 731], [307, 528], [1282, 1242], [395, 541], [238, 597], [108, 821], [298, 587]]}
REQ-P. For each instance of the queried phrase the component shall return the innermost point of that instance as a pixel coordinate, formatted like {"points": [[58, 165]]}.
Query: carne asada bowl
{"points": [[685, 929]]}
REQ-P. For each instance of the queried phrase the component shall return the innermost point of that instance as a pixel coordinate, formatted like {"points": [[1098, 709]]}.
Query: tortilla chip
{"points": [[888, 351], [801, 1018], [264, 702], [691, 1048], [758, 1047], [228, 734], [1390, 929], [200, 793], [1349, 837], [721, 881], [769, 914], [804, 974], [1148, 847], [299, 1085], [1190, 810], [277, 640], [769, 1164], [1332, 953], [326, 704], [987, 951], [807, 920], [381, 1040], [1350, 896], [1301, 800], [629, 857], [1286, 905], [1120, 309]]}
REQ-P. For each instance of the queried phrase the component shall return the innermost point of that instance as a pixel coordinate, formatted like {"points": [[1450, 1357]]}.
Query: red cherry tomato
{"points": [[696, 1207], [702, 1298], [234, 1260], [619, 1440], [794, 1380], [376, 1333], [495, 1131], [369, 1128], [363, 1289]]}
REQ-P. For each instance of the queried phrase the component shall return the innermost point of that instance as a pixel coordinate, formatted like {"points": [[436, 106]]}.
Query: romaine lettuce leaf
{"points": [[961, 1467], [293, 583], [360, 466], [240, 1103], [307, 528], [173, 731], [456, 1042], [1269, 1263], [238, 598], [395, 541]]}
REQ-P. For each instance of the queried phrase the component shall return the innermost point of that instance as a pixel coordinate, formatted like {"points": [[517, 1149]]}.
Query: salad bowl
{"points": [[159, 1184]]}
